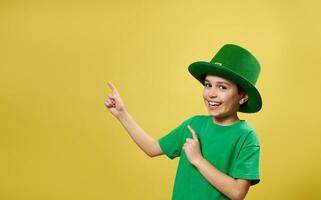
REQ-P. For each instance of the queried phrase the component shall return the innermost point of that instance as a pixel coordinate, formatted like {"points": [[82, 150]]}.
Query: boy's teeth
{"points": [[214, 103]]}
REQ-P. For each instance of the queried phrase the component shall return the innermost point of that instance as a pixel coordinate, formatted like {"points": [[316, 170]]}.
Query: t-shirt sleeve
{"points": [[172, 143], [246, 165]]}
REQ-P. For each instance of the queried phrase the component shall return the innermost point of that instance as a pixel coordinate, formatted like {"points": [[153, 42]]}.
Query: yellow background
{"points": [[58, 141]]}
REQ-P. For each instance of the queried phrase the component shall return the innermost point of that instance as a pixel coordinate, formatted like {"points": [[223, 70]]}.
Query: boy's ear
{"points": [[244, 98]]}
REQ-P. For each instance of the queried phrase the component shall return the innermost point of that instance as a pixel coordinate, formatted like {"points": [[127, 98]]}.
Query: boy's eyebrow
{"points": [[219, 82]]}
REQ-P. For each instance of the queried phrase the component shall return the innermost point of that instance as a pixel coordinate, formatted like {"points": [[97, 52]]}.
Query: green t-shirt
{"points": [[233, 149]]}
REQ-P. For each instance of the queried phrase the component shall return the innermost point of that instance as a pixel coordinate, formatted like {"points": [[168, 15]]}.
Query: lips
{"points": [[214, 104]]}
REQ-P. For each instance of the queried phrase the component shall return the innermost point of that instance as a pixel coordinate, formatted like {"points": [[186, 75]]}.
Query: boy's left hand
{"points": [[192, 148]]}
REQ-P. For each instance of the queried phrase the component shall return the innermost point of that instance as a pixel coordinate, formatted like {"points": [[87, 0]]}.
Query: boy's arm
{"points": [[115, 105], [148, 144], [232, 188]]}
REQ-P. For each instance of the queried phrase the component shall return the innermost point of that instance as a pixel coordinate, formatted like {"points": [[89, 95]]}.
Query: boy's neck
{"points": [[226, 120]]}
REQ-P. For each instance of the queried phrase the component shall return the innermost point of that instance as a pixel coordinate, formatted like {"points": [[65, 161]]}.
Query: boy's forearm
{"points": [[224, 183], [140, 137]]}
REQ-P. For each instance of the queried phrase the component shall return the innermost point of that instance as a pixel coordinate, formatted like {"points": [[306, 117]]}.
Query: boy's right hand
{"points": [[114, 103]]}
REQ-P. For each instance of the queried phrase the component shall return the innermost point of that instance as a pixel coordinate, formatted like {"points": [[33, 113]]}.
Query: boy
{"points": [[219, 153]]}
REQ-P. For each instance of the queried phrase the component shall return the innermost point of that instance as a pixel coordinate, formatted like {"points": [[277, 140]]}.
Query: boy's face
{"points": [[222, 98]]}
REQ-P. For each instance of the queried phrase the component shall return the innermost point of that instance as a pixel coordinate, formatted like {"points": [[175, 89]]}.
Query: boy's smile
{"points": [[222, 99]]}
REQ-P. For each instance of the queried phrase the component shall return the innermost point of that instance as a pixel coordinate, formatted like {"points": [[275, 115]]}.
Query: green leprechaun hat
{"points": [[238, 65]]}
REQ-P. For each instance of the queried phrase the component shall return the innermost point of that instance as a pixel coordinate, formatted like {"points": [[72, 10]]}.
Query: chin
{"points": [[214, 114], [217, 113]]}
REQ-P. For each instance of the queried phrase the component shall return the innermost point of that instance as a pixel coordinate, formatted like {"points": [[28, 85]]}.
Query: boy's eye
{"points": [[222, 87], [207, 85]]}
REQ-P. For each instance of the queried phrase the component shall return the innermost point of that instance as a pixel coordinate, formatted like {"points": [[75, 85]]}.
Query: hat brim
{"points": [[200, 69]]}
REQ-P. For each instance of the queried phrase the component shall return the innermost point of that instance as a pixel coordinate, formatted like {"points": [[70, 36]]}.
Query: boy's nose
{"points": [[212, 93]]}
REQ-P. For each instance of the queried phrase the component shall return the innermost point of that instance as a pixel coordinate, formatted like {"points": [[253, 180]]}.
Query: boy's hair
{"points": [[239, 89]]}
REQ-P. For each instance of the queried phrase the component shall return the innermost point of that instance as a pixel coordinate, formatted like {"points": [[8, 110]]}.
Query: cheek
{"points": [[233, 101], [230, 100], [204, 94]]}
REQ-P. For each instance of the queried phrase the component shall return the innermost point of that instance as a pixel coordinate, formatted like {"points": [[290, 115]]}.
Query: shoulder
{"points": [[252, 138], [249, 135], [195, 120], [199, 117]]}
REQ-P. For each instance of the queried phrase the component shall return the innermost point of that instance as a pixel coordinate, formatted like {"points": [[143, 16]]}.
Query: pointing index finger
{"points": [[193, 132], [112, 87]]}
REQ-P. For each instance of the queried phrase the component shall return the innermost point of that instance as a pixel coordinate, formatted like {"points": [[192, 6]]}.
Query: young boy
{"points": [[219, 153]]}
